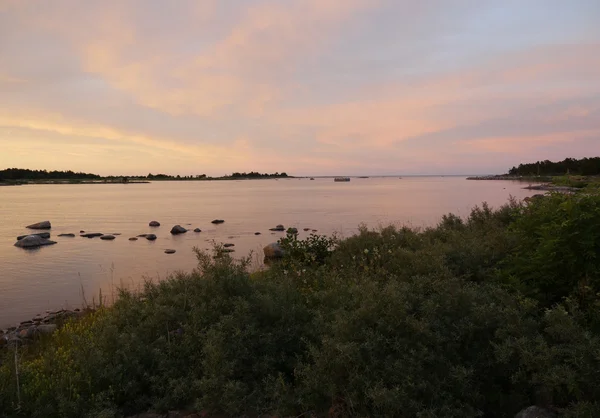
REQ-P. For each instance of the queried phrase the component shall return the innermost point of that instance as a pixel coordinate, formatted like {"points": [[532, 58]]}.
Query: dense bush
{"points": [[480, 316]]}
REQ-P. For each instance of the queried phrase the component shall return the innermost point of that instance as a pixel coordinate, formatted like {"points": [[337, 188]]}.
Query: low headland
{"points": [[494, 315], [18, 176], [569, 175]]}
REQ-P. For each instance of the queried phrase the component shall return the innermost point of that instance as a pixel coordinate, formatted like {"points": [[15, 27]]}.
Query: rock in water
{"points": [[273, 250], [133, 239], [92, 235], [197, 230], [107, 237], [217, 221], [40, 225], [178, 229], [143, 235], [535, 412], [257, 233], [33, 241], [154, 223], [169, 251], [150, 237], [278, 228], [66, 235], [41, 234], [228, 245]]}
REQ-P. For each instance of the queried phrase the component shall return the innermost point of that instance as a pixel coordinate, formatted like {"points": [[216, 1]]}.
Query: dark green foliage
{"points": [[585, 167], [481, 316]]}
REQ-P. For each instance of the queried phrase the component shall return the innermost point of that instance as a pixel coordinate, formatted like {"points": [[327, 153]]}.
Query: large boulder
{"points": [[178, 229], [154, 223], [273, 250], [40, 225], [535, 412], [33, 241], [40, 234], [92, 235]]}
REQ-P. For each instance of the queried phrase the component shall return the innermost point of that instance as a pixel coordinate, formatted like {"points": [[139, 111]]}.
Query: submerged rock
{"points": [[273, 250], [40, 234], [107, 237], [150, 237], [154, 223], [143, 235], [133, 239], [92, 235], [278, 228], [217, 221], [169, 251], [67, 235], [33, 241], [40, 225], [178, 229]]}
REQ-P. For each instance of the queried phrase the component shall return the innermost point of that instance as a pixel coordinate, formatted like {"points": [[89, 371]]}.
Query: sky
{"points": [[309, 87]]}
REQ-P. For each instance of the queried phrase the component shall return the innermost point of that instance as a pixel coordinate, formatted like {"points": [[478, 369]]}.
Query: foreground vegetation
{"points": [[475, 317], [569, 166]]}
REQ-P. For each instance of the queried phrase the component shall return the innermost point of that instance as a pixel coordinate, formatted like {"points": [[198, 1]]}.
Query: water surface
{"points": [[33, 281]]}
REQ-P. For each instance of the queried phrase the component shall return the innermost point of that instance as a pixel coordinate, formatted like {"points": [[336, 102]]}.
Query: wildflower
{"points": [[366, 251]]}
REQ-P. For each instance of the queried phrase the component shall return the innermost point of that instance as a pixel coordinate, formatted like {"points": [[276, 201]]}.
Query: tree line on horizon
{"points": [[584, 167], [27, 174]]}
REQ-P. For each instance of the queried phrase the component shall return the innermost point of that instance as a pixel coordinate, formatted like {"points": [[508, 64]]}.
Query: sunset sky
{"points": [[310, 87]]}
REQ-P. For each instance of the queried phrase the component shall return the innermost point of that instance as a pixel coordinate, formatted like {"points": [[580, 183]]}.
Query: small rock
{"points": [[197, 230], [27, 332], [33, 241], [46, 328], [273, 250], [314, 230], [143, 235], [92, 235], [133, 239], [67, 235], [107, 237], [41, 234], [169, 251], [178, 229], [116, 234], [154, 223], [257, 233], [217, 221], [228, 245], [30, 322], [150, 237], [82, 231], [278, 228], [307, 229], [40, 225], [534, 412]]}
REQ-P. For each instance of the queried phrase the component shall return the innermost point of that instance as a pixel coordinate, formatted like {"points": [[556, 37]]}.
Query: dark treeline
{"points": [[584, 167], [13, 174], [25, 174]]}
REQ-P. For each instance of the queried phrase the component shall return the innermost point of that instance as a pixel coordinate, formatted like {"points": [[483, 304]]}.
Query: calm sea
{"points": [[33, 281]]}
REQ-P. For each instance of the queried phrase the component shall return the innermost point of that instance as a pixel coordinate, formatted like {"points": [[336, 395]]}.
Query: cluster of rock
{"points": [[28, 331]]}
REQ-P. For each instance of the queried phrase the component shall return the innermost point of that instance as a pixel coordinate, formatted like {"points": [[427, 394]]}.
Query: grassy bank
{"points": [[475, 317]]}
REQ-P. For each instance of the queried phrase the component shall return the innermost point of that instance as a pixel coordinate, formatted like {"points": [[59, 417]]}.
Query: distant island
{"points": [[16, 176]]}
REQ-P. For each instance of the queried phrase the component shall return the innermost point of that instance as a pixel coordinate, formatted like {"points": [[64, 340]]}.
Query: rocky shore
{"points": [[29, 331]]}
